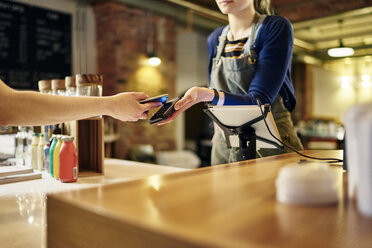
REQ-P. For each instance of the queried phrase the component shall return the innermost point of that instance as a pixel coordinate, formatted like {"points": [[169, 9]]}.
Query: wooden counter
{"points": [[229, 205], [22, 204]]}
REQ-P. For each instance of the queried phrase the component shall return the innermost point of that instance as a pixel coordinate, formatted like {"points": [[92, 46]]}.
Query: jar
{"points": [[58, 87], [70, 84], [45, 86], [89, 84], [68, 161]]}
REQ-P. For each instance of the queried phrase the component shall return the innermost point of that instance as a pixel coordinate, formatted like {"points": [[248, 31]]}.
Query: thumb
{"points": [[185, 100], [150, 105], [140, 95]]}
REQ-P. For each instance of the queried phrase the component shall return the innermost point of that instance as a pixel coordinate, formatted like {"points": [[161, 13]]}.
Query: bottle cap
{"points": [[58, 84], [45, 85], [70, 81], [67, 138]]}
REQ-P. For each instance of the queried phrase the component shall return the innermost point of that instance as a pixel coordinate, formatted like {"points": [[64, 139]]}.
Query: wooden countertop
{"points": [[22, 204], [229, 205]]}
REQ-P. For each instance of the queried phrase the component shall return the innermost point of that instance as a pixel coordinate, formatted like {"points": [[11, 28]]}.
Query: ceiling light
{"points": [[153, 59], [340, 51]]}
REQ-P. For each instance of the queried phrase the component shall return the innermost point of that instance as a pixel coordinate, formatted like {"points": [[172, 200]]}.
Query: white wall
{"points": [[192, 61], [330, 100], [192, 64], [83, 32]]}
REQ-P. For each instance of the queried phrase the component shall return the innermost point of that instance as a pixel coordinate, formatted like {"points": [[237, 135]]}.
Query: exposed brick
{"points": [[122, 36]]}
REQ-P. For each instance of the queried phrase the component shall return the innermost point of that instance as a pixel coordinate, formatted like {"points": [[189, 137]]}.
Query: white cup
{"points": [[358, 126], [364, 187]]}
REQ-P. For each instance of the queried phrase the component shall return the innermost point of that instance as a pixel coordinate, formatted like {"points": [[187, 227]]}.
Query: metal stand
{"points": [[246, 133]]}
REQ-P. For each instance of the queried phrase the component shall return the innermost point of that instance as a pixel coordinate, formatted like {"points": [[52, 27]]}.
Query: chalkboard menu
{"points": [[35, 43]]}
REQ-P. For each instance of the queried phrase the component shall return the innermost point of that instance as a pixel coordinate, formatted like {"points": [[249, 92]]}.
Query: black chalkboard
{"points": [[35, 44]]}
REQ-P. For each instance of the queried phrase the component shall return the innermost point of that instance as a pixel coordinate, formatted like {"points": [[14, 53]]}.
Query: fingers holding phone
{"points": [[126, 106], [181, 105]]}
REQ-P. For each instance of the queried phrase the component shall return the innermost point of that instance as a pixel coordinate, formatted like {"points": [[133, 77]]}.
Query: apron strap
{"points": [[249, 47], [221, 44]]}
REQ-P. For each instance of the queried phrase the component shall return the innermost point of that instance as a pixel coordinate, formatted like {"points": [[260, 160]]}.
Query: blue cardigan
{"points": [[274, 45]]}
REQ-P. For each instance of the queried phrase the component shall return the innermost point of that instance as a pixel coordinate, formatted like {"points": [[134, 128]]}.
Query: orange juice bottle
{"points": [[68, 161]]}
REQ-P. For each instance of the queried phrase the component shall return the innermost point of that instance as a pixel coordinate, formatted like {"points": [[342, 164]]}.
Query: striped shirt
{"points": [[234, 49], [274, 46]]}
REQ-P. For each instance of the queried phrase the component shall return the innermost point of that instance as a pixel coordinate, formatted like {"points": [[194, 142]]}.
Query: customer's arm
{"points": [[33, 108]]}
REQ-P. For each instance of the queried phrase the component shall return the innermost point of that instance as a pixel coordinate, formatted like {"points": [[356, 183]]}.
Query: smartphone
{"points": [[164, 112], [161, 98]]}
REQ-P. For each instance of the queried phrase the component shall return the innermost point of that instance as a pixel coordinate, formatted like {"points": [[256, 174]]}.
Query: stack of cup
{"points": [[307, 184], [358, 126]]}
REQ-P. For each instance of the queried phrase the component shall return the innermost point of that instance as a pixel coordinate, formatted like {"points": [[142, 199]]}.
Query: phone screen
{"points": [[164, 112]]}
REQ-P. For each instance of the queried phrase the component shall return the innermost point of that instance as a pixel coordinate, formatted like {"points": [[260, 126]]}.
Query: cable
{"points": [[329, 160]]}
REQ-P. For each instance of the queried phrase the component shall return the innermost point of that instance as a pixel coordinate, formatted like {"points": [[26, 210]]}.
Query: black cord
{"points": [[329, 160]]}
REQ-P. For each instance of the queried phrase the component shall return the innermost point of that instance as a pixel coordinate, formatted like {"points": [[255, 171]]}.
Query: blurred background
{"points": [[45, 39]]}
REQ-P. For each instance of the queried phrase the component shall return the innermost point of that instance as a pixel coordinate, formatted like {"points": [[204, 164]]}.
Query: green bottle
{"points": [[51, 153]]}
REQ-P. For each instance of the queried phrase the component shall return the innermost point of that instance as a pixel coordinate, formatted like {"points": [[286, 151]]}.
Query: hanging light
{"points": [[340, 51], [153, 60]]}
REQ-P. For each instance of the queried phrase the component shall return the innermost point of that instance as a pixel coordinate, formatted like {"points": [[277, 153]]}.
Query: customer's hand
{"points": [[191, 97], [126, 106]]}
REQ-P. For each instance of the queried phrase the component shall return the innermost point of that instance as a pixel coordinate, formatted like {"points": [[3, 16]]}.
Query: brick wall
{"points": [[123, 34]]}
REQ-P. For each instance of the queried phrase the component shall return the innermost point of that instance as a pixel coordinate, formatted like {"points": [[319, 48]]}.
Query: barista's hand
{"points": [[191, 97], [126, 106]]}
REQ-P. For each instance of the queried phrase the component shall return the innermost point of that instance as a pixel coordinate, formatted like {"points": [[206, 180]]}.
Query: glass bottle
{"points": [[58, 87], [68, 161], [34, 149], [40, 153], [89, 84], [19, 152], [51, 153], [46, 156], [45, 86], [56, 151], [27, 145]]}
